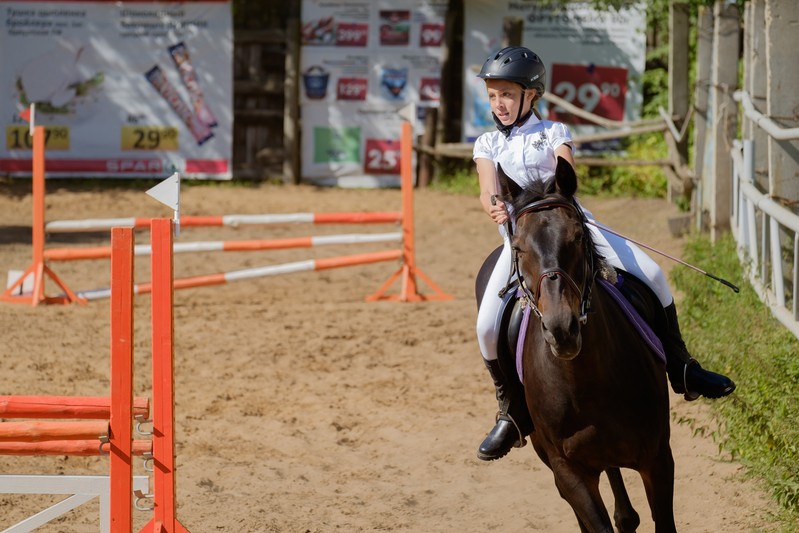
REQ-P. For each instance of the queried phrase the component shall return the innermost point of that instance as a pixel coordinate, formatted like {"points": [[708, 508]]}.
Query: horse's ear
{"points": [[507, 187], [565, 178]]}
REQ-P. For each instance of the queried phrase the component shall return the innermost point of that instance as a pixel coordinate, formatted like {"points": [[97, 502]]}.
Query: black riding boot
{"points": [[513, 420], [687, 377]]}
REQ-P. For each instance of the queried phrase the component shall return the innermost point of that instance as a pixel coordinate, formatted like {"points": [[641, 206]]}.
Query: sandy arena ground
{"points": [[302, 408]]}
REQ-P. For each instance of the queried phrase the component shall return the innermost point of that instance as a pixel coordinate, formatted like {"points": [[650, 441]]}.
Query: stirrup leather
{"points": [[689, 395]]}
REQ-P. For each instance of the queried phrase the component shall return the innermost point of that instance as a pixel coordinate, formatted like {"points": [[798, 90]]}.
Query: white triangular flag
{"points": [[408, 112], [168, 193]]}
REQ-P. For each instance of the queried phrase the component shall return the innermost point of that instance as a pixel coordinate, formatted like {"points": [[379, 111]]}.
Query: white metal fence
{"points": [[766, 232]]}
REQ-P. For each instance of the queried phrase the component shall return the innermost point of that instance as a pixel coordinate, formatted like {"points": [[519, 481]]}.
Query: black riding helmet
{"points": [[520, 65], [516, 63]]}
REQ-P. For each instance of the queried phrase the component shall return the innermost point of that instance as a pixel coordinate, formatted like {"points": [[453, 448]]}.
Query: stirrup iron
{"points": [[522, 441]]}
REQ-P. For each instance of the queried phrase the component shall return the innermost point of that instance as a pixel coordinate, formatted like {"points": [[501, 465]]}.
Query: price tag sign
{"points": [[148, 138], [598, 90], [432, 34], [351, 34], [382, 156], [351, 89], [55, 137], [430, 89]]}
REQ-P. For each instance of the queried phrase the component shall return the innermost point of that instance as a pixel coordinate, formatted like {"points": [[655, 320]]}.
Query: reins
{"points": [[555, 272]]}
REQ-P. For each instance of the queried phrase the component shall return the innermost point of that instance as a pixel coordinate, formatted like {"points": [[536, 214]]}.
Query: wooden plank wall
{"points": [[265, 90], [258, 98]]}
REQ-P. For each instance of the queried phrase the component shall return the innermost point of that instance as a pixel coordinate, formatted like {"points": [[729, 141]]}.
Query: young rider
{"points": [[527, 149]]}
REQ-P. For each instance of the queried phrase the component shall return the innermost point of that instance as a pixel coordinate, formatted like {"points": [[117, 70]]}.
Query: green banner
{"points": [[337, 145]]}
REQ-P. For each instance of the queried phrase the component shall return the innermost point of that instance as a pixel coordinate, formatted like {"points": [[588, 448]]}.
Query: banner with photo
{"points": [[123, 89], [363, 61], [594, 59]]}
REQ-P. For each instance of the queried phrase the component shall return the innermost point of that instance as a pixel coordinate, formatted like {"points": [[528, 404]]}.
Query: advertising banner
{"points": [[363, 61], [594, 59], [124, 89]]}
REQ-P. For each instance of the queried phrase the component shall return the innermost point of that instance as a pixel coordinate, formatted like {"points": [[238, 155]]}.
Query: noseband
{"points": [[555, 272]]}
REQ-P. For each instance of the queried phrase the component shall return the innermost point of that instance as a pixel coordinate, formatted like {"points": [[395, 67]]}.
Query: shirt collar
{"points": [[529, 124]]}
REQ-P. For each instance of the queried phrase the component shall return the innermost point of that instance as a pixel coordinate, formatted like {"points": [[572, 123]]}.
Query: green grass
{"points": [[457, 179], [737, 335]]}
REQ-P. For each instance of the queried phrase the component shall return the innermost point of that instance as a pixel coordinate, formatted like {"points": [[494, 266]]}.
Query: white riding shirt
{"points": [[527, 154]]}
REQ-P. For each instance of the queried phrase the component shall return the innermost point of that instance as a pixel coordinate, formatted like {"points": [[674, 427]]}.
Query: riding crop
{"points": [[664, 254]]}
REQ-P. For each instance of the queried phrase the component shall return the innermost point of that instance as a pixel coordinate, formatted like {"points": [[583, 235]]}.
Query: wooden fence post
{"points": [[782, 19], [428, 140], [722, 119], [291, 104], [755, 82], [704, 58], [512, 28], [678, 95]]}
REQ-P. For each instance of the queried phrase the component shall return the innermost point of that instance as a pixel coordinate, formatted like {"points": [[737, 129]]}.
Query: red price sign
{"points": [[598, 90], [351, 89], [432, 34], [382, 156], [430, 89], [351, 34]]}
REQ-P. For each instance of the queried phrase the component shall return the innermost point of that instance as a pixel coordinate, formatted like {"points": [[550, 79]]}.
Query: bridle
{"points": [[589, 271]]}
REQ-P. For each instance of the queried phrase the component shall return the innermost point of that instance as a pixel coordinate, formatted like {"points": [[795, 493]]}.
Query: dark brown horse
{"points": [[596, 393]]}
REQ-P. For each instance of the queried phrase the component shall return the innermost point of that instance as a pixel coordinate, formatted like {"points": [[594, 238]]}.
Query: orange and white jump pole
{"points": [[104, 252], [223, 278], [122, 412], [45, 430], [73, 448], [205, 221], [38, 269], [408, 272], [83, 407], [164, 516]]}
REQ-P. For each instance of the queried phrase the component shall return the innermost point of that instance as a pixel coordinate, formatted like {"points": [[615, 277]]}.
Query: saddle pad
{"points": [[632, 315]]}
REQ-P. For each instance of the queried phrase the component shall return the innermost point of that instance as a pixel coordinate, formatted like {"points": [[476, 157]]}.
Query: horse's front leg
{"points": [[581, 490], [624, 515], [658, 478]]}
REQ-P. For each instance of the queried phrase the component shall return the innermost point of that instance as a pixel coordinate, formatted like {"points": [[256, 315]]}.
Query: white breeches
{"points": [[618, 252]]}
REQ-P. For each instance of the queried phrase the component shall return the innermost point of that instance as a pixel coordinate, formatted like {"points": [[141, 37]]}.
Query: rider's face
{"points": [[505, 98]]}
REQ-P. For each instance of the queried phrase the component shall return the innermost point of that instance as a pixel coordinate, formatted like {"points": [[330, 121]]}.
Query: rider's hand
{"points": [[497, 211]]}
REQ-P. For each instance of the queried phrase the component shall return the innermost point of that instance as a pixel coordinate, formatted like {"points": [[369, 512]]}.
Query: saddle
{"points": [[639, 302]]}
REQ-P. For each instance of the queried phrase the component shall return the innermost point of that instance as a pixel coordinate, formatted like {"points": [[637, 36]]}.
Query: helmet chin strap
{"points": [[506, 129]]}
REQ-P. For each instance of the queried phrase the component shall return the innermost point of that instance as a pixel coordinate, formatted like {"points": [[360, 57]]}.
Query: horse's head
{"points": [[554, 255]]}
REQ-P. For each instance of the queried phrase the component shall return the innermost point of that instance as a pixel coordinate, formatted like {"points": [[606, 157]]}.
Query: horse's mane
{"points": [[545, 190]]}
